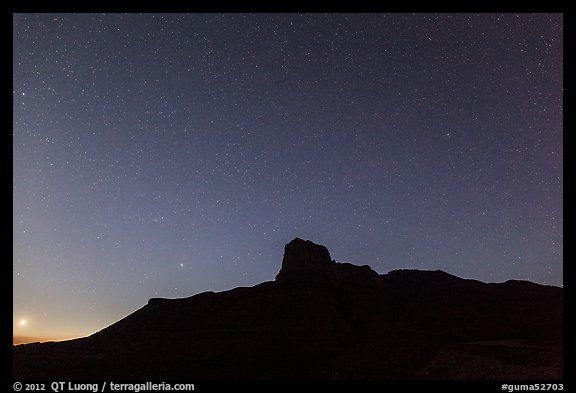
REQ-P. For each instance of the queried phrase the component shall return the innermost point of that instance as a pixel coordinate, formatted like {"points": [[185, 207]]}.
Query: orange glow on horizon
{"points": [[18, 340]]}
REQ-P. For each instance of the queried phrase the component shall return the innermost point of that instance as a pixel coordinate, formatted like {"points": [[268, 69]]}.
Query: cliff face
{"points": [[323, 320], [305, 262]]}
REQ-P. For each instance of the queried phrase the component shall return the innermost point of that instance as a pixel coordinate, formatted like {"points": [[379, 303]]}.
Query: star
{"points": [[222, 138]]}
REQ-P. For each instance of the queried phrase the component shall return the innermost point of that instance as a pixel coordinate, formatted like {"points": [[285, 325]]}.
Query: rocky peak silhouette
{"points": [[306, 262], [321, 319]]}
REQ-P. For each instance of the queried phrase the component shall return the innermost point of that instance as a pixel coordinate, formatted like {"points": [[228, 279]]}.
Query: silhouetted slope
{"points": [[318, 320]]}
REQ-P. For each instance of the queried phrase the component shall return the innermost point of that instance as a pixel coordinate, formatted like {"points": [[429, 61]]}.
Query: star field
{"points": [[163, 155]]}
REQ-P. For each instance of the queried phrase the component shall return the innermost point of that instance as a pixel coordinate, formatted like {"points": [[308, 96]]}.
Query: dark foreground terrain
{"points": [[324, 320]]}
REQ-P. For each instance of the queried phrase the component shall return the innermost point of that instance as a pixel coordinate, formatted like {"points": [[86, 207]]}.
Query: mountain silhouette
{"points": [[321, 319]]}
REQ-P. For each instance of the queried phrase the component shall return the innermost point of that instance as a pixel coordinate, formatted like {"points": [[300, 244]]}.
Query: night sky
{"points": [[163, 155]]}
